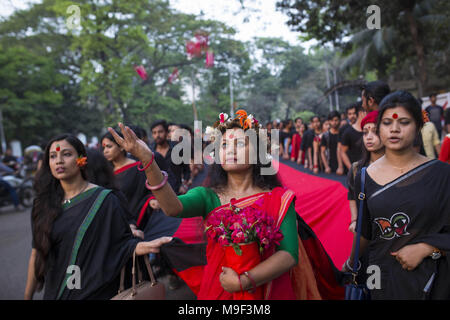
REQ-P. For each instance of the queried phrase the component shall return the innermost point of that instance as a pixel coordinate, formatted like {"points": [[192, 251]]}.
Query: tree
{"points": [[406, 30]]}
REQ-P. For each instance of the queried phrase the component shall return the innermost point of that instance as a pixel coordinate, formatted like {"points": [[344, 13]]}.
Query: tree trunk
{"points": [[418, 45]]}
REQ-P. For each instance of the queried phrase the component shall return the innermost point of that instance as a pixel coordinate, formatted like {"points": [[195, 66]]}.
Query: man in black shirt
{"points": [[351, 150], [329, 143], [308, 139], [435, 114], [351, 117], [164, 147]]}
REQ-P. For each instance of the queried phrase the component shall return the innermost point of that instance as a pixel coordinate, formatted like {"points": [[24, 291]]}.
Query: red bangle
{"points": [[240, 284], [251, 280], [159, 186], [316, 166], [148, 165]]}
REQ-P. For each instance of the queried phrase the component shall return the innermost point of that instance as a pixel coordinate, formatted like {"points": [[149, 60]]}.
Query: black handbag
{"points": [[353, 290]]}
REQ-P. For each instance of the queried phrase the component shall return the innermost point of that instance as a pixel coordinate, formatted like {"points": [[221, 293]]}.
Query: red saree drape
{"points": [[297, 283]]}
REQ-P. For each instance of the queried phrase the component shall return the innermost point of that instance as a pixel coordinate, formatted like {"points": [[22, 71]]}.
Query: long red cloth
{"points": [[323, 204]]}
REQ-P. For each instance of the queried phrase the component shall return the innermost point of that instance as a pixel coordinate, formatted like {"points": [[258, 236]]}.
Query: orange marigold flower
{"points": [[81, 161]]}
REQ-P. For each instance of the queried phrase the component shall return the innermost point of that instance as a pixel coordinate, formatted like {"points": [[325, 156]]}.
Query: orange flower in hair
{"points": [[81, 161], [425, 116]]}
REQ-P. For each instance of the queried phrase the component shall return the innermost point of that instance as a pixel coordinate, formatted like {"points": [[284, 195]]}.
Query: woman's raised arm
{"points": [[166, 197]]}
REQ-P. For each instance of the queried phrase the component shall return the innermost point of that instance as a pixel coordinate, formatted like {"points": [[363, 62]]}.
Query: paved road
{"points": [[15, 248]]}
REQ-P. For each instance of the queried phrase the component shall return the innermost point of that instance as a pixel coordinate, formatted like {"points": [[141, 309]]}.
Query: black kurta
{"points": [[413, 208], [106, 247]]}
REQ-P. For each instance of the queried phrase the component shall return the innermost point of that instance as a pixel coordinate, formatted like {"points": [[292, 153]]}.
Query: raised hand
{"points": [[131, 143]]}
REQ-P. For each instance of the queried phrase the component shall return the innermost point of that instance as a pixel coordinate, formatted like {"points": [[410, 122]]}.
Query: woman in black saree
{"points": [[81, 238], [131, 181], [406, 216]]}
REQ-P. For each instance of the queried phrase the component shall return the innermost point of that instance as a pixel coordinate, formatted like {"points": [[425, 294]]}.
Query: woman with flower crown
{"points": [[287, 269]]}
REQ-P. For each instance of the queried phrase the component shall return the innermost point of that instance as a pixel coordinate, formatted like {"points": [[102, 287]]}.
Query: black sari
{"points": [[131, 182], [413, 208], [106, 247]]}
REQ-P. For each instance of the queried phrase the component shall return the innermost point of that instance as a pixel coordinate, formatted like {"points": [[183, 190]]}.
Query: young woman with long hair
{"points": [[373, 150], [131, 182], [242, 184], [406, 217], [69, 231]]}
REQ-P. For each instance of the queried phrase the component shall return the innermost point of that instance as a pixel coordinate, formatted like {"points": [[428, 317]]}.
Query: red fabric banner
{"points": [[323, 204]]}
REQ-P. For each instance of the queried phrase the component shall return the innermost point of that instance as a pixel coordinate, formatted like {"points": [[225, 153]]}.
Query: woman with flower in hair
{"points": [[238, 185], [81, 239]]}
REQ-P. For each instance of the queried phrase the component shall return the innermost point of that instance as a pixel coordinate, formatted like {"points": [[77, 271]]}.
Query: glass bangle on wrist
{"points": [[350, 268], [159, 186]]}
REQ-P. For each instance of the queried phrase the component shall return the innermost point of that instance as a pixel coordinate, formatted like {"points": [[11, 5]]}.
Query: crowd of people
{"points": [[332, 144], [133, 185]]}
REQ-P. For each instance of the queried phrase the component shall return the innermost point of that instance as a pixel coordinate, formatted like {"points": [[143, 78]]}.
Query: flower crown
{"points": [[243, 120]]}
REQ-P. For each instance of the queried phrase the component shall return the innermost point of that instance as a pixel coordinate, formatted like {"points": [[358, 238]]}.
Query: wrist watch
{"points": [[436, 254]]}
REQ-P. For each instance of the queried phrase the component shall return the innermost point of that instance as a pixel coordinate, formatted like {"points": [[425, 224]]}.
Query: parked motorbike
{"points": [[23, 187]]}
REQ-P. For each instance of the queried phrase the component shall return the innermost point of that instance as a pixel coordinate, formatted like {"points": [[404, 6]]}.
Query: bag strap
{"points": [[80, 234], [133, 274], [361, 198]]}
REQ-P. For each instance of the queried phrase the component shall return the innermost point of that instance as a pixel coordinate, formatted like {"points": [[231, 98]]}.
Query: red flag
{"points": [[202, 40], [141, 71], [209, 59], [174, 76], [193, 49]]}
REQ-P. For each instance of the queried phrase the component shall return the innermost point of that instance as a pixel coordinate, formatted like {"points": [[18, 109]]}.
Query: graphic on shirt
{"points": [[394, 227]]}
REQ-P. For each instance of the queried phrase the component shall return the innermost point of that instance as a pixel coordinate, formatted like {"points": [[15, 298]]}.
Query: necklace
{"points": [[70, 200]]}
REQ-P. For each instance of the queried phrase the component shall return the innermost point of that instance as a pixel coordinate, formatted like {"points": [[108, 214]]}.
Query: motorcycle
{"points": [[23, 187]]}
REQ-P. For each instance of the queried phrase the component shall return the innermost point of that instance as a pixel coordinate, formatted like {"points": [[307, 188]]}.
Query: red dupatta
{"points": [[276, 204]]}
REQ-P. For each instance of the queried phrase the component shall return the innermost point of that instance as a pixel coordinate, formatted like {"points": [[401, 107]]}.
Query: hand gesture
{"points": [[131, 143], [412, 255], [153, 246], [229, 280]]}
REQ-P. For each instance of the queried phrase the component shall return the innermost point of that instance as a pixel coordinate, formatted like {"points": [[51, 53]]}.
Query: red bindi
{"points": [[231, 136], [58, 148], [395, 116]]}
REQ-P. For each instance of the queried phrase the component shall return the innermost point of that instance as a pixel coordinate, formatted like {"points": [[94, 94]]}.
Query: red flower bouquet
{"points": [[245, 233]]}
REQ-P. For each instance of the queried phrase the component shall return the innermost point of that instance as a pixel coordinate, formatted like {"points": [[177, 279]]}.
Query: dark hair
{"points": [[376, 90], [297, 119], [402, 99], [218, 178], [110, 137], [160, 123], [312, 118], [140, 133], [432, 95], [47, 205], [286, 123], [352, 106], [100, 170], [357, 106], [334, 114], [186, 127]]}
